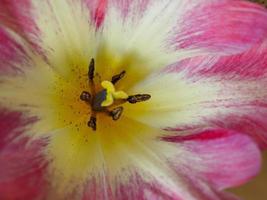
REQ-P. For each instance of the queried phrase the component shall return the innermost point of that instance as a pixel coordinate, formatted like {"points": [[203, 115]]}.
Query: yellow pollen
{"points": [[112, 94]]}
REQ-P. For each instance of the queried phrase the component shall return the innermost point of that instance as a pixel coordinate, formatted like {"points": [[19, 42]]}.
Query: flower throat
{"points": [[102, 100]]}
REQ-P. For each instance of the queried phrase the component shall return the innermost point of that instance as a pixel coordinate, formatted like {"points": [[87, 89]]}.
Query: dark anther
{"points": [[85, 96], [138, 98], [118, 77], [116, 113], [92, 123], [91, 69]]}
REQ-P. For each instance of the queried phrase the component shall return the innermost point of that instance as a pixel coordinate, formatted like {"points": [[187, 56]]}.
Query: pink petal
{"points": [[223, 26], [97, 9], [29, 186], [17, 16], [249, 64], [222, 158], [21, 163]]}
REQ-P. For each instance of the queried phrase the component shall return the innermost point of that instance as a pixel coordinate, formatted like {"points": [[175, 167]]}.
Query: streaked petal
{"points": [[227, 92]]}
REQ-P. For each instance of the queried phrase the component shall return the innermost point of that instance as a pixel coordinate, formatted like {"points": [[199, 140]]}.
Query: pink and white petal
{"points": [[220, 158], [199, 168], [20, 16], [209, 92], [182, 29], [29, 20], [21, 162], [136, 188]]}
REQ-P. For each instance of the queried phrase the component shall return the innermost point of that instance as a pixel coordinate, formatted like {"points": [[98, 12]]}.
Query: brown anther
{"points": [[91, 70], [138, 98], [118, 77], [85, 96], [116, 113], [92, 123]]}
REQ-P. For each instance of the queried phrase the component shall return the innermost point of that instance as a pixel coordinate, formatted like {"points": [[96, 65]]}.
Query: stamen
{"points": [[85, 96], [101, 100], [92, 122], [91, 70], [91, 74], [138, 98], [116, 113], [118, 77]]}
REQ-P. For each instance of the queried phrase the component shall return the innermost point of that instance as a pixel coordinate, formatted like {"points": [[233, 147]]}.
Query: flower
{"points": [[129, 99]]}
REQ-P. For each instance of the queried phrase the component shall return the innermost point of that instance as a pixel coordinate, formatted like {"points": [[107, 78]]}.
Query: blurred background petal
{"points": [[256, 189]]}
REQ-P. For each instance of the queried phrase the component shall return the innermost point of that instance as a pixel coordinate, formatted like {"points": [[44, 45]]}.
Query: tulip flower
{"points": [[131, 100]]}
